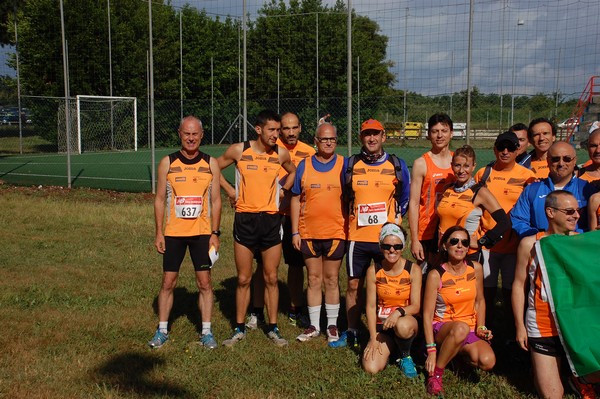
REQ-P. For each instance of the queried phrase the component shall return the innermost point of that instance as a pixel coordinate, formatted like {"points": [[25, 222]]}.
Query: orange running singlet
{"points": [[392, 291], [188, 202], [539, 321], [374, 202], [456, 297], [297, 152], [256, 181], [506, 186], [321, 215], [457, 209], [540, 168], [434, 182]]}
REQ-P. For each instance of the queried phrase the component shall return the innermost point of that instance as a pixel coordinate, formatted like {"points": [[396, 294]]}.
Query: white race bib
{"points": [[385, 312], [188, 207], [372, 214]]}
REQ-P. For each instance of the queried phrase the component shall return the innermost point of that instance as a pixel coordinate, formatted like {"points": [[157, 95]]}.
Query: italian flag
{"points": [[570, 267]]}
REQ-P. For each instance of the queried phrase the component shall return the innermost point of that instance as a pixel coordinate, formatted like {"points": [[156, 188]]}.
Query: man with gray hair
{"points": [[188, 190]]}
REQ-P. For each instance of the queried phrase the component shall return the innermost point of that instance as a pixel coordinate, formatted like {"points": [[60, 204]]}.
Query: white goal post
{"points": [[106, 123]]}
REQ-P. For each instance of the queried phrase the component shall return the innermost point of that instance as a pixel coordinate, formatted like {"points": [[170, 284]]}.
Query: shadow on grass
{"points": [[130, 372]]}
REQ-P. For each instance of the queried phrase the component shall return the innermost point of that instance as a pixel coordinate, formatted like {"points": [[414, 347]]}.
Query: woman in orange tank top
{"points": [[393, 298], [454, 311]]}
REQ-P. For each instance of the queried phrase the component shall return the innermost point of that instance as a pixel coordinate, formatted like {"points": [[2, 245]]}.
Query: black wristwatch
{"points": [[216, 232], [402, 312]]}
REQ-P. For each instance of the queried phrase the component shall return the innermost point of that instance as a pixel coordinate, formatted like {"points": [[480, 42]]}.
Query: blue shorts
{"points": [[359, 256]]}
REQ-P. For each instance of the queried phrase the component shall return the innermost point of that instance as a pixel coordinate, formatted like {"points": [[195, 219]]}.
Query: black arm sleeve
{"points": [[502, 225]]}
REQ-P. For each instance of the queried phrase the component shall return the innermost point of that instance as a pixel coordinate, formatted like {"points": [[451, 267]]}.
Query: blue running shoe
{"points": [[158, 340], [208, 341], [237, 336], [407, 366], [347, 338]]}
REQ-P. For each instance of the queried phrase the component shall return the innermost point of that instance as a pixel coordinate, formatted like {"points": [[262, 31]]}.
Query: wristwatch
{"points": [[402, 312], [216, 232]]}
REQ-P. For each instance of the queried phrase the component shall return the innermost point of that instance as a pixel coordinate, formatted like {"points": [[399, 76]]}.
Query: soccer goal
{"points": [[104, 123]]}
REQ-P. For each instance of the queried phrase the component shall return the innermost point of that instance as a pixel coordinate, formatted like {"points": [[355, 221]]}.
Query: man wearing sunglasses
{"points": [[528, 216], [506, 180], [536, 331]]}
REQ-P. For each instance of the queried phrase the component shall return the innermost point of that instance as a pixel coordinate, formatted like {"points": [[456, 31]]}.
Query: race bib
{"points": [[385, 312], [372, 214], [188, 207]]}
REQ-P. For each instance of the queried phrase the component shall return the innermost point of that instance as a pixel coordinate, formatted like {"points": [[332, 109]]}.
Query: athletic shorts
{"points": [[175, 248], [359, 256], [471, 337], [257, 230], [550, 346], [495, 263], [330, 249], [291, 255]]}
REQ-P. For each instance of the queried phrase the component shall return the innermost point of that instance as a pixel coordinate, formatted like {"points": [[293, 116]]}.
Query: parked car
{"points": [[568, 123]]}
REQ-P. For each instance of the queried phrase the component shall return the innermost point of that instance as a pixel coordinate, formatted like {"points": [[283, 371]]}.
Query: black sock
{"points": [[241, 327], [272, 326], [259, 312], [404, 346]]}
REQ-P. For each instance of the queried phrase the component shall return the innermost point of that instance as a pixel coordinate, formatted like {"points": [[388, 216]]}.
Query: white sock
{"points": [[163, 327], [314, 313], [332, 311], [206, 327]]}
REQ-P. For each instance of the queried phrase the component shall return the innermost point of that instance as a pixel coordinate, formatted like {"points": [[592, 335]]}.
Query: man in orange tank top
{"points": [[257, 223], [591, 169], [291, 129], [541, 134], [430, 174], [188, 189], [536, 330]]}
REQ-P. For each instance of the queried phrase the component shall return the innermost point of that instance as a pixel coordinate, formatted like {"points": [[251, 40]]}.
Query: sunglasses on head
{"points": [[454, 241], [387, 247], [567, 211], [565, 158]]}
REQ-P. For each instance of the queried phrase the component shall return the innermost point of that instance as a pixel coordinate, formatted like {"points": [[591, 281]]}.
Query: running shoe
{"points": [[583, 391], [252, 322], [407, 366], [309, 333], [347, 338], [237, 336], [158, 340], [208, 341], [299, 320], [332, 333], [275, 336], [434, 385]]}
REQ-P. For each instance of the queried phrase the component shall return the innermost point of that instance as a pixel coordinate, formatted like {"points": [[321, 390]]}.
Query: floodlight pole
{"points": [[110, 79], [349, 77], [151, 62], [181, 66], [245, 76], [471, 13], [66, 83], [520, 22], [18, 84]]}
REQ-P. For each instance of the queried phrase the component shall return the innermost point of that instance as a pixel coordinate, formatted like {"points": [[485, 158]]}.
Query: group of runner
{"points": [[323, 206]]}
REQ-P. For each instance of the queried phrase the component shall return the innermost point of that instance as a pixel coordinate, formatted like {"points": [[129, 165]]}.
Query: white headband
{"points": [[391, 229]]}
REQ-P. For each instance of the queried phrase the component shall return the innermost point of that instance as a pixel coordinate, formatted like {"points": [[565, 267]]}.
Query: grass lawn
{"points": [[78, 304]]}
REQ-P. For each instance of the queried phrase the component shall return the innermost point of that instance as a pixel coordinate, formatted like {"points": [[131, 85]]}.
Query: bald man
{"points": [[528, 216]]}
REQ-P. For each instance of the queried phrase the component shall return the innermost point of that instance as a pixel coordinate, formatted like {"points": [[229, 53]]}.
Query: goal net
{"points": [[100, 123]]}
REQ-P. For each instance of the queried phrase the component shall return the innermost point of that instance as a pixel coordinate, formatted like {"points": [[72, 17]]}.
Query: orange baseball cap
{"points": [[371, 124]]}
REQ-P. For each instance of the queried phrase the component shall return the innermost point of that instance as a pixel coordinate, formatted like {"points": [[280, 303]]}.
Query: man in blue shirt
{"points": [[528, 216]]}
